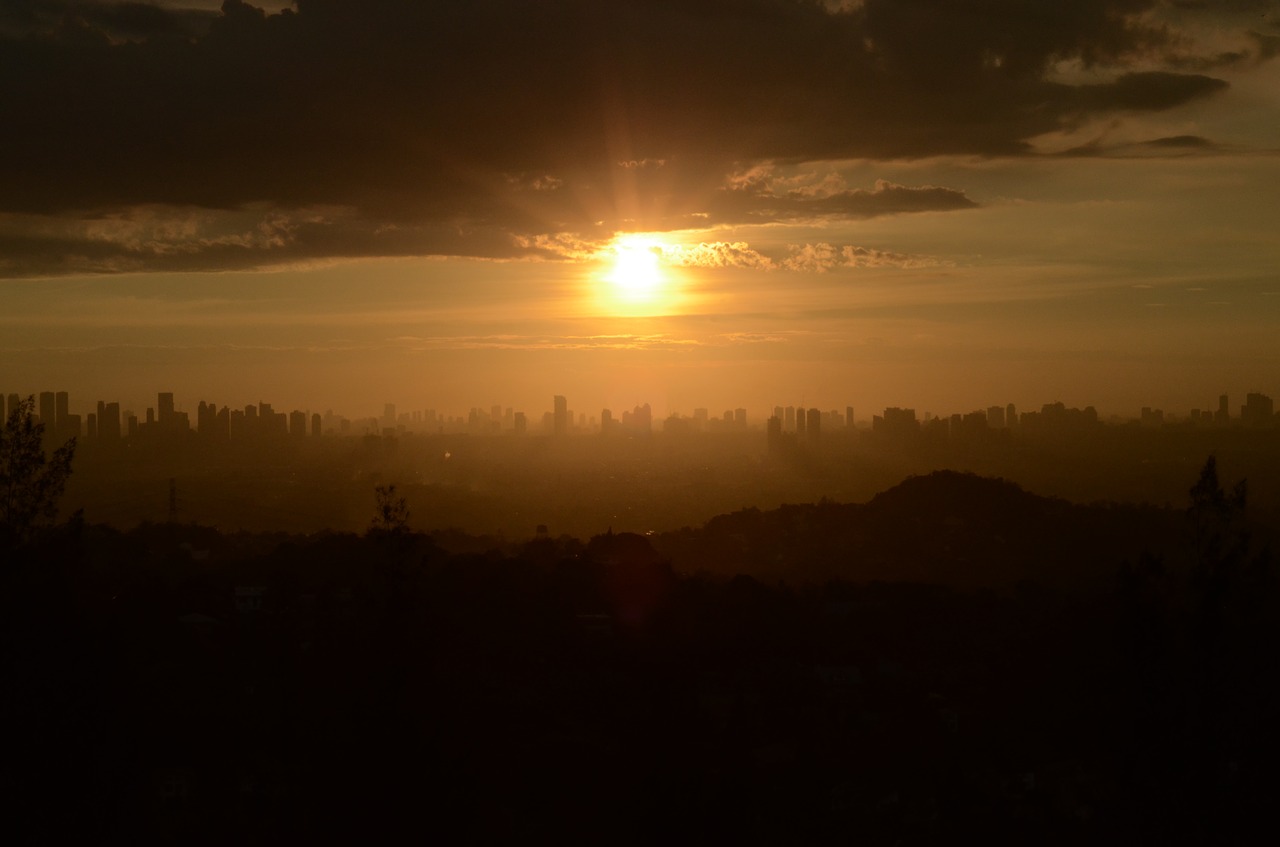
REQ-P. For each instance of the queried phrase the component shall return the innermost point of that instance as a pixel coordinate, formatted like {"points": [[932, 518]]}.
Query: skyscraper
{"points": [[47, 415], [560, 419], [1258, 410], [62, 410], [109, 422], [164, 407]]}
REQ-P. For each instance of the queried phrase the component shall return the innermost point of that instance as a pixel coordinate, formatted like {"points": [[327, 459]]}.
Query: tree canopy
{"points": [[31, 482]]}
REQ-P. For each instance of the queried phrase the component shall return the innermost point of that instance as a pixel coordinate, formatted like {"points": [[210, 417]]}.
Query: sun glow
{"points": [[639, 282]]}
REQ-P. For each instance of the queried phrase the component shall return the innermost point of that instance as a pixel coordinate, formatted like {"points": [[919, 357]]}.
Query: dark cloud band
{"points": [[510, 117]]}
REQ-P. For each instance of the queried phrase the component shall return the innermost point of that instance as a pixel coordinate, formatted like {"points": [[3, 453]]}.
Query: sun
{"points": [[637, 278], [636, 273]]}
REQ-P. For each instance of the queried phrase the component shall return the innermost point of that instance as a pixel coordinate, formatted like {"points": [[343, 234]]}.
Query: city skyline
{"points": [[53, 409], [926, 204]]}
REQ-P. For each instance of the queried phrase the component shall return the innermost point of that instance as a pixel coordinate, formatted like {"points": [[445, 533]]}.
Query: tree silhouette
{"points": [[391, 512], [1220, 540], [30, 482]]}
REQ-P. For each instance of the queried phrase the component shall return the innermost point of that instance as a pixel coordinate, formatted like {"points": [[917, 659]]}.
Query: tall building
{"points": [[1223, 417], [62, 409], [298, 424], [560, 417], [896, 421], [773, 433], [740, 418], [164, 405], [1257, 411], [206, 414], [48, 417], [848, 417], [639, 420], [606, 421], [800, 419], [813, 424]]}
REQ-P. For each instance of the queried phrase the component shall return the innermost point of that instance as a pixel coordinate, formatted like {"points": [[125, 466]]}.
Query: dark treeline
{"points": [[955, 658]]}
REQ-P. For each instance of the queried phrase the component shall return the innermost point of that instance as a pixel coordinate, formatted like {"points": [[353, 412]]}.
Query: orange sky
{"points": [[339, 204]]}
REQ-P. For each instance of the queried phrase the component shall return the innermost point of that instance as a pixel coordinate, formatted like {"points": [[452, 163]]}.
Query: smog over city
{"points": [[633, 420]]}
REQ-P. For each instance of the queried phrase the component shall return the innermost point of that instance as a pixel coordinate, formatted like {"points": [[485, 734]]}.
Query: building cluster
{"points": [[1258, 412], [796, 423], [791, 424], [1052, 418], [108, 423]]}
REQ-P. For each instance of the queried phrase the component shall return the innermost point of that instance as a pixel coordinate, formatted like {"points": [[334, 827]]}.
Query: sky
{"points": [[937, 204]]}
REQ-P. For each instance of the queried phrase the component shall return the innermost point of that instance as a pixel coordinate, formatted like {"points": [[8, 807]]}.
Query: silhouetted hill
{"points": [[967, 496], [945, 527]]}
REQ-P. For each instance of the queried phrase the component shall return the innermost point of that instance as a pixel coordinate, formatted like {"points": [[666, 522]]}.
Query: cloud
{"points": [[865, 257], [769, 200], [1182, 142], [823, 257], [1164, 147], [477, 128], [719, 254], [813, 258], [166, 238], [114, 21], [1147, 91]]}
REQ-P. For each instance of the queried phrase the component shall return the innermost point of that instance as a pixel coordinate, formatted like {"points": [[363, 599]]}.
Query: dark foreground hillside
{"points": [[949, 528], [956, 658]]}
